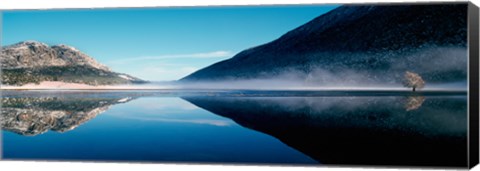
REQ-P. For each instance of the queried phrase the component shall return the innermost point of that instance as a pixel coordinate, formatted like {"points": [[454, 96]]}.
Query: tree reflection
{"points": [[414, 102]]}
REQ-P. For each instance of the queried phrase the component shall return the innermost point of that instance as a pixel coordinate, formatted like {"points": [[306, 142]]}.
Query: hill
{"points": [[34, 62]]}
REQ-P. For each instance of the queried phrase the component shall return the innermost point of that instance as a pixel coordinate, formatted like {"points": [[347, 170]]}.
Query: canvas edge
{"points": [[473, 118], [380, 2], [473, 90], [1, 40]]}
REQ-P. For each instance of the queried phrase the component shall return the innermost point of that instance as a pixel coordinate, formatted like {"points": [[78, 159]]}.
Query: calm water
{"points": [[237, 127]]}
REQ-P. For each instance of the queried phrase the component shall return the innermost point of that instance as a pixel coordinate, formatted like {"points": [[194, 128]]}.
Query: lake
{"points": [[238, 127]]}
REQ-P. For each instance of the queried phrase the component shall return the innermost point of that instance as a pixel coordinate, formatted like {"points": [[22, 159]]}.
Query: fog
{"points": [[284, 84], [290, 85], [442, 68]]}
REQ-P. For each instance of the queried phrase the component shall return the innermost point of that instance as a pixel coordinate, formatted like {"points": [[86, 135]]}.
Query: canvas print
{"points": [[309, 85]]}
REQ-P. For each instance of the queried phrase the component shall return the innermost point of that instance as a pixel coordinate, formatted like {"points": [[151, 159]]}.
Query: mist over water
{"points": [[442, 68], [299, 84]]}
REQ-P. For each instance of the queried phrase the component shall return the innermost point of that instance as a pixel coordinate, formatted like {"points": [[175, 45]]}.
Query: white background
{"points": [[78, 166]]}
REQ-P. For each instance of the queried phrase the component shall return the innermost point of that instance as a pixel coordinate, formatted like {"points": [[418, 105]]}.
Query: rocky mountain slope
{"points": [[33, 62], [30, 54], [357, 43]]}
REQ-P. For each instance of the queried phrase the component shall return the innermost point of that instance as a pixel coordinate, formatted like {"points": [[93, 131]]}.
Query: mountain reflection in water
{"points": [[356, 130], [347, 130], [36, 115]]}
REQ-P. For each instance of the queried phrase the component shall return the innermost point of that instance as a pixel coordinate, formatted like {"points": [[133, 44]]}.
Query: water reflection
{"points": [[414, 102], [36, 115], [356, 130], [167, 110], [362, 130]]}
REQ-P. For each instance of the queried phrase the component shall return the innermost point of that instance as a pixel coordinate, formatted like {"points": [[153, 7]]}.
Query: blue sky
{"points": [[158, 44]]}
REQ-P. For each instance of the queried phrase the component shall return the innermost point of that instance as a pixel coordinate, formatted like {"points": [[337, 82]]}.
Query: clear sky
{"points": [[158, 44]]}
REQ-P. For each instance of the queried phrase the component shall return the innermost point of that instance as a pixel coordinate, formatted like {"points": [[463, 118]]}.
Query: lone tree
{"points": [[413, 80]]}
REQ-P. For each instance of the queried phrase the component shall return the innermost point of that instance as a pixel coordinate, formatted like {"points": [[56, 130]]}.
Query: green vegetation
{"points": [[69, 74]]}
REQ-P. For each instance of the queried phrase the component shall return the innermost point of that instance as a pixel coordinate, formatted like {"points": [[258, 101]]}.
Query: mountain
{"points": [[359, 43], [33, 62], [29, 54]]}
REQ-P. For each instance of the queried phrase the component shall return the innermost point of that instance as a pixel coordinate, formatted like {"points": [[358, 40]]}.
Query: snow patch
{"points": [[126, 99], [125, 77], [68, 47]]}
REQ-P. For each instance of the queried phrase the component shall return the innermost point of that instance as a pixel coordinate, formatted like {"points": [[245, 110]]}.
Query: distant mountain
{"points": [[33, 62], [359, 43]]}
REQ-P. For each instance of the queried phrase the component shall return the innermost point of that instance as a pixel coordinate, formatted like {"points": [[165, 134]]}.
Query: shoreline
{"points": [[242, 92], [52, 86]]}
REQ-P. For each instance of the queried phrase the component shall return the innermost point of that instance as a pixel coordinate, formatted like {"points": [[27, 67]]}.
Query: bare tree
{"points": [[413, 80]]}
